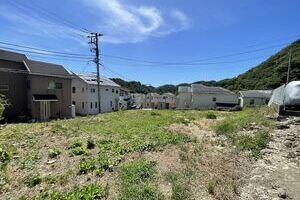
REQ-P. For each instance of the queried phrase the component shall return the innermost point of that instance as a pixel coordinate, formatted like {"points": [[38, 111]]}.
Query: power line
{"points": [[53, 16], [191, 62], [44, 50], [115, 73], [42, 53]]}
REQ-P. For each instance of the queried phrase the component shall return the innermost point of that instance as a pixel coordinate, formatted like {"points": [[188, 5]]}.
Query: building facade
{"points": [[85, 94], [254, 97], [39, 90], [199, 96]]}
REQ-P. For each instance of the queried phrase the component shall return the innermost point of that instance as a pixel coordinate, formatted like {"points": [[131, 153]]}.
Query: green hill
{"points": [[268, 75]]}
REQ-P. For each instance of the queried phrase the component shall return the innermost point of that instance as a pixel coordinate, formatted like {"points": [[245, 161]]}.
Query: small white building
{"points": [[199, 96], [152, 100], [254, 97], [85, 94]]}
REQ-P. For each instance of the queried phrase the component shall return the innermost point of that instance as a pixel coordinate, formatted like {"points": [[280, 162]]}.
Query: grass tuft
{"points": [[53, 153], [33, 180]]}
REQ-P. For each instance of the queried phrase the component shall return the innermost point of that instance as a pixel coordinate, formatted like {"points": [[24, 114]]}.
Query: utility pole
{"points": [[289, 67], [94, 42]]}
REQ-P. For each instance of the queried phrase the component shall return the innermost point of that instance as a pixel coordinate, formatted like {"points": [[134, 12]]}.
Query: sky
{"points": [[154, 42]]}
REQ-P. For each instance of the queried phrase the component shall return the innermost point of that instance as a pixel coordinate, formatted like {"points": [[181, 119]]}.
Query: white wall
{"points": [[87, 95], [184, 100], [206, 100], [245, 101]]}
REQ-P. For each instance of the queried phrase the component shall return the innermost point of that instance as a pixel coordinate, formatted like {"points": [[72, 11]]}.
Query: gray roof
{"points": [[92, 80], [12, 56], [48, 69], [199, 88], [256, 93]]}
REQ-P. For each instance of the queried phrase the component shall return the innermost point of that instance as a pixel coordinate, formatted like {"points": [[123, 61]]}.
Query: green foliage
{"points": [[75, 144], [87, 164], [77, 151], [244, 120], [211, 186], [253, 143], [180, 188], [53, 153], [33, 180], [211, 115], [136, 181], [87, 192], [90, 143], [4, 158]]}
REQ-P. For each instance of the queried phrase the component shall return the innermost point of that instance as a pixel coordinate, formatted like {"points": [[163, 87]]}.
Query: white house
{"points": [[200, 96], [85, 94], [152, 100], [254, 97]]}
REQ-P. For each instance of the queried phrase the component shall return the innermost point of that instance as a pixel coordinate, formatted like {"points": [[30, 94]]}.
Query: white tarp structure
{"points": [[288, 95]]}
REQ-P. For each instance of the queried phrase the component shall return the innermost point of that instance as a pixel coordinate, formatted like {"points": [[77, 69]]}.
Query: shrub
{"points": [[75, 145], [87, 165], [254, 143], [33, 180], [103, 161], [211, 116], [53, 153], [78, 151], [4, 158], [211, 186], [90, 143]]}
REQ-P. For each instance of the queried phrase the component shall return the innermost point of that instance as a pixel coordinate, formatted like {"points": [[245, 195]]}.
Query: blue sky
{"points": [[165, 31]]}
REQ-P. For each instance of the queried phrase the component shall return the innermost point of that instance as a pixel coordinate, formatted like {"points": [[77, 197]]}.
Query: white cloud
{"points": [[129, 24]]}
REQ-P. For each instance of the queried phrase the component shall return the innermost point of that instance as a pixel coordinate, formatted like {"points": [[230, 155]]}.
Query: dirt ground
{"points": [[277, 174]]}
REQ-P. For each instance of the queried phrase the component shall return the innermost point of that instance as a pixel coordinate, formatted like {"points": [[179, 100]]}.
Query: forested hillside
{"points": [[267, 75]]}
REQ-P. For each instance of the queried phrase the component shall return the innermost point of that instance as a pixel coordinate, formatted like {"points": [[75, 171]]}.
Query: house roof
{"points": [[12, 56], [168, 94], [92, 80], [199, 88], [256, 93], [48, 69]]}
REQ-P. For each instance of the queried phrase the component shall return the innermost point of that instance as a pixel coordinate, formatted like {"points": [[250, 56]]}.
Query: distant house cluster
{"points": [[154, 101], [41, 91]]}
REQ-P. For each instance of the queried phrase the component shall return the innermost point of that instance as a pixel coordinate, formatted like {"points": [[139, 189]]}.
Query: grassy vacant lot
{"points": [[126, 155]]}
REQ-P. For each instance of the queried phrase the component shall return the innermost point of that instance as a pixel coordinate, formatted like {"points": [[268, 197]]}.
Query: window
{"points": [[73, 90], [251, 101], [96, 104], [106, 89], [82, 105], [112, 90], [214, 99], [117, 91], [93, 90], [82, 90], [91, 105], [111, 104], [73, 102], [58, 85], [4, 87], [52, 85]]}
